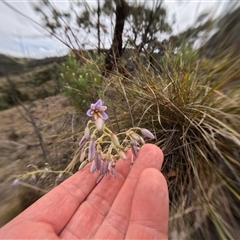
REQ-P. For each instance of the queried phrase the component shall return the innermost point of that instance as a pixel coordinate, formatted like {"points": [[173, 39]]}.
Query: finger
{"points": [[57, 207], [90, 215], [149, 216], [116, 223]]}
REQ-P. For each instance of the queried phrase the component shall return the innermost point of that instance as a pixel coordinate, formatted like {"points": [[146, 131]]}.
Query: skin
{"points": [[133, 206]]}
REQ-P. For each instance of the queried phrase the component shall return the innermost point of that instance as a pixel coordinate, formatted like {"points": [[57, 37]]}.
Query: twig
{"points": [[28, 113]]}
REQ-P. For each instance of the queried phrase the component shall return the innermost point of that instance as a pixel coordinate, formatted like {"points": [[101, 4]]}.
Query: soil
{"points": [[59, 126]]}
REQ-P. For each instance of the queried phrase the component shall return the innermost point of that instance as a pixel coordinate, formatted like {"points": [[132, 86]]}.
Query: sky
{"points": [[21, 37]]}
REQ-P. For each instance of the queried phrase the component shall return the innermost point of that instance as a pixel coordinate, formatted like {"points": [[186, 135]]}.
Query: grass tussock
{"points": [[192, 106]]}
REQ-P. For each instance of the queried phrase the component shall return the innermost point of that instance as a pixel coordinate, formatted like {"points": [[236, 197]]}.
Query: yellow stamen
{"points": [[99, 114]]}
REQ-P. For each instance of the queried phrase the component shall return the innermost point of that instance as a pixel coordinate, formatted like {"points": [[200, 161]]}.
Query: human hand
{"points": [[133, 206]]}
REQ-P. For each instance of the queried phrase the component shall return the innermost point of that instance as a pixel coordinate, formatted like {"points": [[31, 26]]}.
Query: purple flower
{"points": [[97, 110]]}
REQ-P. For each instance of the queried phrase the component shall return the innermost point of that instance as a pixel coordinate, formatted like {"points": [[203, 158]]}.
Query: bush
{"points": [[193, 109], [81, 82], [7, 98], [47, 74]]}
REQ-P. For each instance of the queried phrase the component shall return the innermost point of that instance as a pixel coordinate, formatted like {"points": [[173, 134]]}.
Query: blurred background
{"points": [[172, 67]]}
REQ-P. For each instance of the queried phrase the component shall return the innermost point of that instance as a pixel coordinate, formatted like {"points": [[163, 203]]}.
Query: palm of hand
{"points": [[133, 206]]}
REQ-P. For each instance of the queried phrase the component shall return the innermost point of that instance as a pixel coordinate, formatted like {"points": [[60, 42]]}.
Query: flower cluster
{"points": [[100, 146]]}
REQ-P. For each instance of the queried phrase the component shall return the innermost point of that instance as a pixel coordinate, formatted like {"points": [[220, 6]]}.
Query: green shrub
{"points": [[41, 77], [82, 83], [47, 74], [7, 99]]}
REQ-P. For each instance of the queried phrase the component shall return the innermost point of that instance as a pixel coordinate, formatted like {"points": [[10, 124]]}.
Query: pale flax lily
{"points": [[97, 110]]}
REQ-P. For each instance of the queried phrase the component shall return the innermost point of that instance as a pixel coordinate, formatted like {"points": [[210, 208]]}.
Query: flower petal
{"points": [[98, 103], [104, 116], [101, 108], [89, 112]]}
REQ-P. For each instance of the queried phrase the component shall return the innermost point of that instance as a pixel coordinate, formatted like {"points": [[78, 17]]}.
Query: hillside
{"points": [[28, 79], [13, 65]]}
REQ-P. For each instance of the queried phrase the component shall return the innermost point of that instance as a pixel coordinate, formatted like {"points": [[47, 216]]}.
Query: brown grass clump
{"points": [[193, 108]]}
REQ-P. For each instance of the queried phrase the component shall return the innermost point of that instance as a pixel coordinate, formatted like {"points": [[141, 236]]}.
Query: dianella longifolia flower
{"points": [[97, 110], [103, 147]]}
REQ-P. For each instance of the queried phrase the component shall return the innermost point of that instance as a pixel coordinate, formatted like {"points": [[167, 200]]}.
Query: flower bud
{"points": [[83, 164], [82, 155], [87, 132], [104, 168], [60, 175], [82, 141], [134, 147], [135, 136], [91, 149], [98, 160], [121, 154], [93, 167], [146, 133], [141, 140], [112, 169], [115, 140], [99, 178], [33, 179], [15, 182]]}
